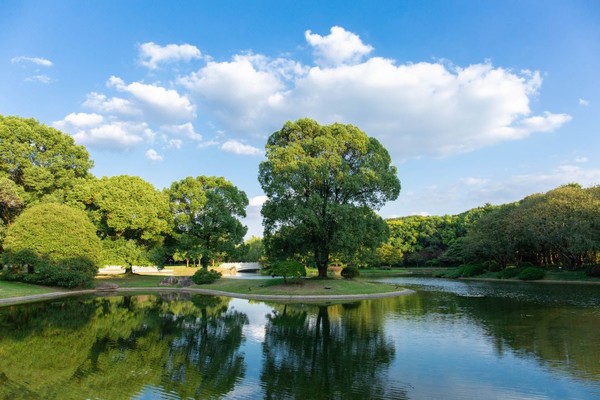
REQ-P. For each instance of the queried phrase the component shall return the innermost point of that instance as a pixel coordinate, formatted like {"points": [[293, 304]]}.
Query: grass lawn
{"points": [[303, 287], [17, 289]]}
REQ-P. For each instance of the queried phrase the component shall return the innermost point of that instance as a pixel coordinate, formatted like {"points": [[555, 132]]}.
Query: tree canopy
{"points": [[323, 184], [40, 159], [205, 212]]}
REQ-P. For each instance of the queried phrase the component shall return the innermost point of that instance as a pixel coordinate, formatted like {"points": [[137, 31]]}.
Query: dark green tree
{"points": [[205, 213], [323, 185]]}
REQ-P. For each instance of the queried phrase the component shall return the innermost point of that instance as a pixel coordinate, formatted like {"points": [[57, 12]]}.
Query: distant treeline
{"points": [[558, 228]]}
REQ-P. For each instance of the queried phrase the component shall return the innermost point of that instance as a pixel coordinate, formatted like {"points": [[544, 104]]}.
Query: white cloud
{"points": [[583, 102], [185, 130], [39, 78], [422, 109], [257, 201], [581, 160], [152, 54], [338, 48], [42, 62], [117, 135], [174, 144], [152, 155], [243, 91], [114, 105], [157, 99], [78, 121], [471, 181], [233, 146]]}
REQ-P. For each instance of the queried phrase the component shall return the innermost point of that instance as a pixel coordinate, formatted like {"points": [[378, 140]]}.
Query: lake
{"points": [[451, 340]]}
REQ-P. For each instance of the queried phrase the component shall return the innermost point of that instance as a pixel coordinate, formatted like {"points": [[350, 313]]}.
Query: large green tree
{"points": [[131, 216], [205, 212], [52, 244], [323, 185], [40, 159]]}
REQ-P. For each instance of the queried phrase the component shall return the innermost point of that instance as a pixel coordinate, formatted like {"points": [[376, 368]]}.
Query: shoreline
{"points": [[264, 297]]}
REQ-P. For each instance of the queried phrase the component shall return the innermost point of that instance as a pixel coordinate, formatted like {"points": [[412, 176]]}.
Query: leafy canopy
{"points": [[205, 213], [323, 183], [40, 159]]}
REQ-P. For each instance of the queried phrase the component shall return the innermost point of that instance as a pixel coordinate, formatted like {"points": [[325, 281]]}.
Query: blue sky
{"points": [[477, 101]]}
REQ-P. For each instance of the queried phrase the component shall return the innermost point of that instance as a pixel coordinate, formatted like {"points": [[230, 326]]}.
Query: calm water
{"points": [[450, 340]]}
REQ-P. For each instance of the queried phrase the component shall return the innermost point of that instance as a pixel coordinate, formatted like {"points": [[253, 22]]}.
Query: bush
{"points": [[531, 274], [593, 270], [204, 276], [508, 272], [350, 272], [470, 270], [287, 269], [52, 244]]}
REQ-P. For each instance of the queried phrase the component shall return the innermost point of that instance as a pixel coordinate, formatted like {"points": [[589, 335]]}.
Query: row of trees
{"points": [[324, 185], [557, 228], [196, 219]]}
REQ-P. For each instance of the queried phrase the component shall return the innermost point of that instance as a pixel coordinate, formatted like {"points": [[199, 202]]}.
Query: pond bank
{"points": [[263, 297]]}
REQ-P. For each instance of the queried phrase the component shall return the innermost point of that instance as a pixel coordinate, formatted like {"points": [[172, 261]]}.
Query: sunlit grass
{"points": [[17, 289]]}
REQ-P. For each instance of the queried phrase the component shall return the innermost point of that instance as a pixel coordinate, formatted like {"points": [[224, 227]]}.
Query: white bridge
{"points": [[241, 266]]}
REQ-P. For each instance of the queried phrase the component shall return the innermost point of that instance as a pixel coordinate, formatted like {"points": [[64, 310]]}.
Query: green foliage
{"points": [[508, 273], [205, 214], [350, 272], [52, 244], [204, 276], [287, 269], [531, 274], [42, 161], [469, 270], [323, 183], [251, 251], [593, 270]]}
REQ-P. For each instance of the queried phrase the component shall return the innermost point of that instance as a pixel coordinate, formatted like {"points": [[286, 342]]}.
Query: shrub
{"points": [[492, 266], [593, 270], [469, 270], [204, 276], [350, 272], [52, 244], [287, 269], [531, 274], [508, 272]]}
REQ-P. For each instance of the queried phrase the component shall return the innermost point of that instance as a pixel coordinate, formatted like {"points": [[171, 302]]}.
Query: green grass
{"points": [[17, 289]]}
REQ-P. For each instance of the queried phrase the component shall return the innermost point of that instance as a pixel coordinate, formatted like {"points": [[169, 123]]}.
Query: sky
{"points": [[476, 101]]}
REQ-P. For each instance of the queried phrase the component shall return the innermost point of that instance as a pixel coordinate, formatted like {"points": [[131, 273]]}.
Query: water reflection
{"points": [[121, 347], [450, 340], [323, 352]]}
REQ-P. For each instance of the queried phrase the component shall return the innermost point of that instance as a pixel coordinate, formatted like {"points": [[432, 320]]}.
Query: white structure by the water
{"points": [[241, 266]]}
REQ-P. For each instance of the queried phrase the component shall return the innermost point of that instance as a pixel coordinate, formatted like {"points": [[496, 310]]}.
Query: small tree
{"points": [[52, 244], [287, 268]]}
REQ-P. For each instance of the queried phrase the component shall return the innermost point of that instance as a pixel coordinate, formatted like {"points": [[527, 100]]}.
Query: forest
{"points": [[55, 212]]}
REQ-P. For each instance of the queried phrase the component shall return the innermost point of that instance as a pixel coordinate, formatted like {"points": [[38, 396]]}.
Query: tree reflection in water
{"points": [[118, 347], [319, 352]]}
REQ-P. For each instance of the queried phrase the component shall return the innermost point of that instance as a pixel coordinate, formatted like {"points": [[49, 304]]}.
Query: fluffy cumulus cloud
{"points": [[95, 131], [115, 105], [414, 109], [338, 48], [235, 147], [419, 109], [152, 54], [157, 100], [242, 92], [153, 155], [185, 130]]}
